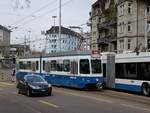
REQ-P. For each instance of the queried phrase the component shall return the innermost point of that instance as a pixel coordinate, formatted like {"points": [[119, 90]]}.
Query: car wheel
{"points": [[146, 89], [50, 92], [19, 92], [28, 93]]}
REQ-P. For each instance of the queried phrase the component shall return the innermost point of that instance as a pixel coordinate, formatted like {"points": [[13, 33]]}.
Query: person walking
{"points": [[13, 75]]}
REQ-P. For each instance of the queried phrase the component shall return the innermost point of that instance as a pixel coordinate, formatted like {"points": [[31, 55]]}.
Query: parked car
{"points": [[34, 84]]}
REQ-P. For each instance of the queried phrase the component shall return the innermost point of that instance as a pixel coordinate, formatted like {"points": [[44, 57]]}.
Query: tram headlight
{"points": [[97, 79]]}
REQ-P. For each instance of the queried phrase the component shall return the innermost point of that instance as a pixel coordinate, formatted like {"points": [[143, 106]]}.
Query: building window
{"points": [[121, 27], [121, 10], [148, 26], [129, 27], [129, 8], [94, 33], [129, 43], [54, 46], [121, 44], [53, 35], [148, 9], [1, 38], [148, 43]]}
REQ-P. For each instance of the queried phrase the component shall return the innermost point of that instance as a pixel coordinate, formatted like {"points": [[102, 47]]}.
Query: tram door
{"points": [[110, 71]]}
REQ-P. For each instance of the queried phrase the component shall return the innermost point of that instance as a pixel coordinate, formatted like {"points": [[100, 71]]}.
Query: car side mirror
{"points": [[25, 82]]}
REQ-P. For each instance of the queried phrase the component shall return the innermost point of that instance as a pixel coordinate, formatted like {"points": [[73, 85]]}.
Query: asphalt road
{"points": [[64, 100]]}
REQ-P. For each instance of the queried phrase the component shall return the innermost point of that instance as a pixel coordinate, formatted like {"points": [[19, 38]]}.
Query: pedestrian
{"points": [[13, 75]]}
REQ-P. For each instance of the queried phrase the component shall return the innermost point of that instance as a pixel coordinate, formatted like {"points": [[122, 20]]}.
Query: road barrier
{"points": [[4, 77]]}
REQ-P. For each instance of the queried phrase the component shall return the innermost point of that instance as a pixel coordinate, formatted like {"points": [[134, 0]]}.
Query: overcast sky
{"points": [[38, 16]]}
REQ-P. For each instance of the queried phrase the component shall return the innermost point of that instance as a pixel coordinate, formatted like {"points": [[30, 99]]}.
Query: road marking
{"points": [[48, 103], [14, 93], [84, 96], [135, 107]]}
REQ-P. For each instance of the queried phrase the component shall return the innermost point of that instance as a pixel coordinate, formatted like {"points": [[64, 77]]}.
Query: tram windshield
{"points": [[96, 66]]}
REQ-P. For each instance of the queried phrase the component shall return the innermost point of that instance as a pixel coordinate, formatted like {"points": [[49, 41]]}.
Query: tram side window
{"points": [[37, 65], [66, 65], [28, 65], [96, 66], [33, 65], [48, 66], [44, 65], [144, 71], [59, 66], [21, 66], [120, 70], [126, 71], [25, 65], [84, 66], [53, 65], [131, 71]]}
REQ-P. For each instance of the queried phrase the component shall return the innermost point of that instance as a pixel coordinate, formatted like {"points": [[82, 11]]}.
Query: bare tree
{"points": [[21, 4]]}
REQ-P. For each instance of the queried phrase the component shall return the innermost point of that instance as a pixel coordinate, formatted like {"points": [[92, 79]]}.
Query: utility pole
{"points": [[54, 17], [29, 38], [25, 43], [137, 40], [60, 25]]}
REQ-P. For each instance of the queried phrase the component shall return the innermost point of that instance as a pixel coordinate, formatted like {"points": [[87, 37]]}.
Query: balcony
{"points": [[107, 39], [108, 23]]}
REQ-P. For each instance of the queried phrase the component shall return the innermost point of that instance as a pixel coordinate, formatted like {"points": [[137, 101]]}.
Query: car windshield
{"points": [[34, 79]]}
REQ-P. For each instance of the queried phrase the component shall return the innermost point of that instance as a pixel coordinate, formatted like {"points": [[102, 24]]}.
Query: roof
{"points": [[58, 54], [4, 28], [96, 4], [63, 31]]}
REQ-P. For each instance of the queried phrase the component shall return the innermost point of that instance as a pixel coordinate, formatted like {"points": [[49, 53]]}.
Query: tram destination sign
{"points": [[95, 54]]}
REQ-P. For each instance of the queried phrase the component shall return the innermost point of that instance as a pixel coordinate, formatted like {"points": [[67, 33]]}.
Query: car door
{"points": [[23, 85]]}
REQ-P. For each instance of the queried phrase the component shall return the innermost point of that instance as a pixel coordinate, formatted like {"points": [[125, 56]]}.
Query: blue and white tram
{"points": [[76, 69], [132, 72]]}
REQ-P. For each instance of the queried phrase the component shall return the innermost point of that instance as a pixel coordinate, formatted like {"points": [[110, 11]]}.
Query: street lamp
{"points": [[60, 24], [54, 17]]}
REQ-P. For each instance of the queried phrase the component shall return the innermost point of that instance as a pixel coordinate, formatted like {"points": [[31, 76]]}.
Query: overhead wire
{"points": [[41, 16], [31, 14]]}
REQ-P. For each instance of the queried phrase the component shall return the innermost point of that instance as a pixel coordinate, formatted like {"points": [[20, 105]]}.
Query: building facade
{"points": [[69, 40], [104, 25], [133, 26], [17, 50], [85, 45], [4, 41]]}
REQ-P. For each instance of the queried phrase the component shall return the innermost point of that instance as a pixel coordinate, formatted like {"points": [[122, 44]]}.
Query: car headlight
{"points": [[49, 85]]}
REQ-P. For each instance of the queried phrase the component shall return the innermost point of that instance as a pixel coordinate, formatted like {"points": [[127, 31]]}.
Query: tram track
{"points": [[126, 96]]}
